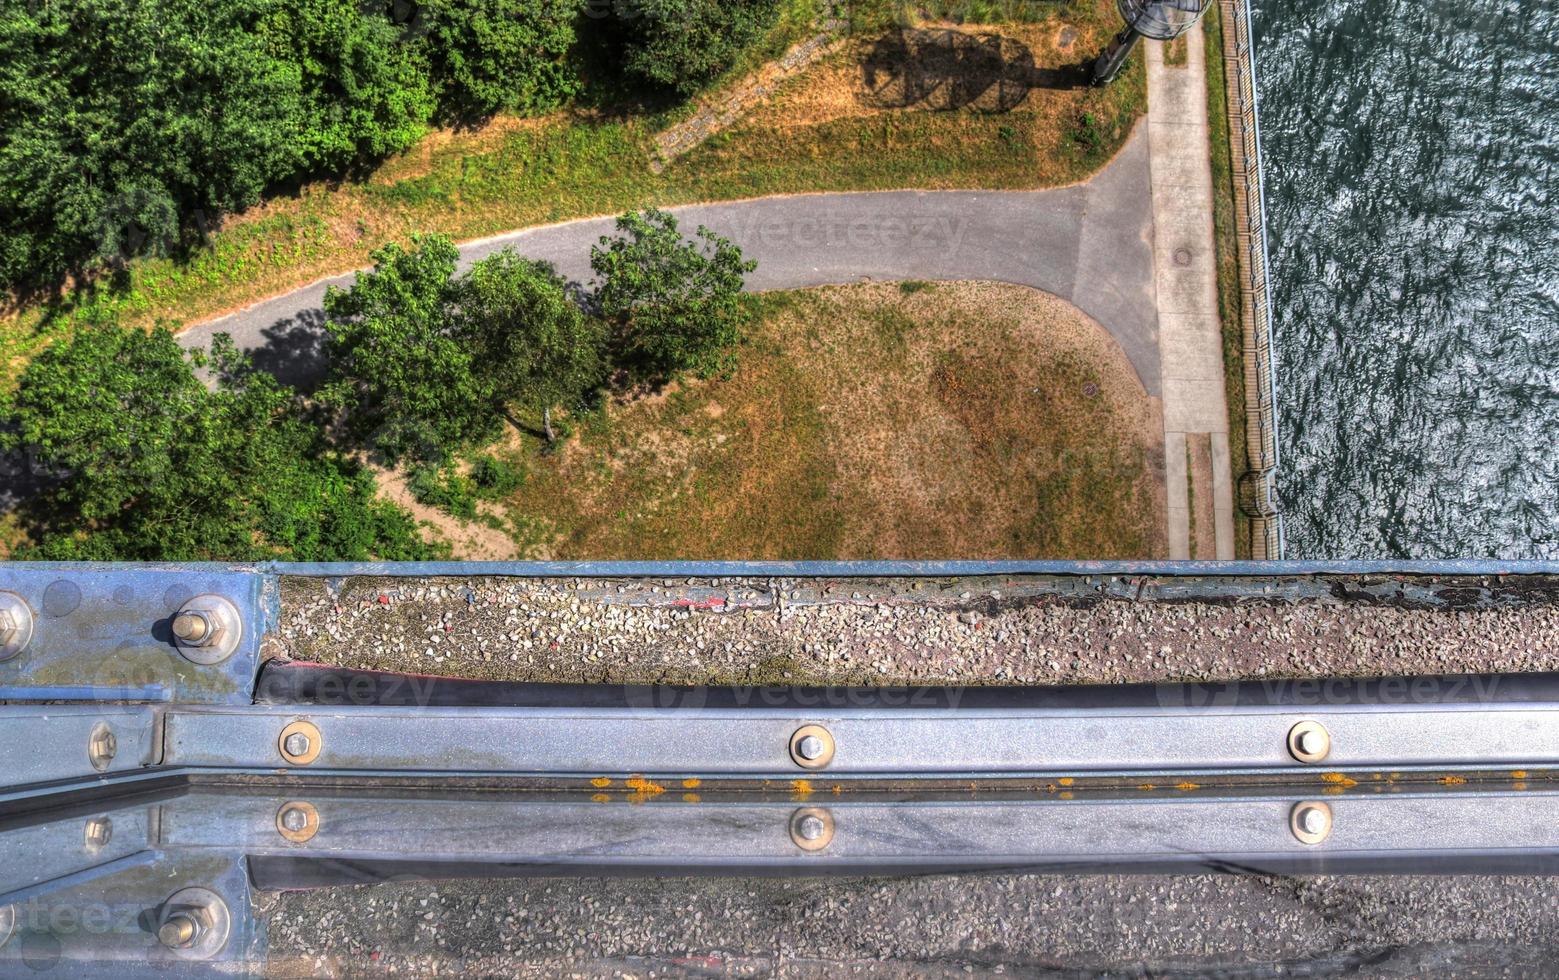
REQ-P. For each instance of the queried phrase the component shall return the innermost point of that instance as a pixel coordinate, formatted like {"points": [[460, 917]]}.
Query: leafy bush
{"points": [[442, 487], [675, 303], [500, 54], [153, 465], [682, 45], [495, 478]]}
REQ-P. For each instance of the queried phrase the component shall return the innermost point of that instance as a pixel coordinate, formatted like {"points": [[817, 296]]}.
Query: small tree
{"points": [[399, 366], [681, 45], [674, 303], [538, 349]]}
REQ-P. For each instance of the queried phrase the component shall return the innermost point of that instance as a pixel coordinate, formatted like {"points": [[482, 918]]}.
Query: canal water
{"points": [[1412, 165]]}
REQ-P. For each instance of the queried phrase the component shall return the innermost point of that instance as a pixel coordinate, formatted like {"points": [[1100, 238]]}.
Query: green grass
{"points": [[866, 422], [516, 173], [1228, 270]]}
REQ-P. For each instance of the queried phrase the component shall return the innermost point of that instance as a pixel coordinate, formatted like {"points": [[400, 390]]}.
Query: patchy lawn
{"points": [[884, 112], [975, 420]]}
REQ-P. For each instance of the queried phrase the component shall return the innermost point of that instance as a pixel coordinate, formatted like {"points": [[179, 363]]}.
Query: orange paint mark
{"points": [[1066, 780], [1519, 774], [600, 798], [600, 782], [1188, 785], [643, 789], [800, 789], [690, 798], [691, 783], [1338, 779]]}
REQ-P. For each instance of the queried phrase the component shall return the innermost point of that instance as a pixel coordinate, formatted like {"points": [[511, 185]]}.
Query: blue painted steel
{"points": [[101, 632], [908, 569]]}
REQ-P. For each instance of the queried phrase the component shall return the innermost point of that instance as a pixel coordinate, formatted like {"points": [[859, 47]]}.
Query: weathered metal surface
{"points": [[52, 743], [870, 741], [102, 632]]}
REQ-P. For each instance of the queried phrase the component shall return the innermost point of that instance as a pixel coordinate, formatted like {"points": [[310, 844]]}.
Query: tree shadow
{"points": [[941, 69], [294, 350]]}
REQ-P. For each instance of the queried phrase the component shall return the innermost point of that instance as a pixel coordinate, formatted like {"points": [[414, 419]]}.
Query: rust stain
{"points": [[800, 789], [1145, 787], [690, 798], [1188, 785], [1518, 784], [1338, 779], [838, 788], [1065, 795], [600, 782], [1518, 774], [1452, 780], [691, 783], [600, 798], [1066, 780]]}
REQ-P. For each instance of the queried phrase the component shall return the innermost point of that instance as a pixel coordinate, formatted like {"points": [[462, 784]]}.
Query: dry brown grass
{"points": [[974, 420]]}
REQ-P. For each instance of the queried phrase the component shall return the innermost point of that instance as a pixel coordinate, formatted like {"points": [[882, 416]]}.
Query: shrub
{"points": [[681, 45]]}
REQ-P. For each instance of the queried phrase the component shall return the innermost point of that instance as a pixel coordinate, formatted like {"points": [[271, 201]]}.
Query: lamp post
{"points": [[1161, 20]]}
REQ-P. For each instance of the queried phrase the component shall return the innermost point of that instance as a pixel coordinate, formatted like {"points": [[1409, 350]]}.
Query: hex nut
{"points": [[1309, 742], [16, 625], [812, 828], [207, 629], [812, 747], [102, 746], [97, 833], [1310, 821], [194, 923], [297, 821], [300, 735]]}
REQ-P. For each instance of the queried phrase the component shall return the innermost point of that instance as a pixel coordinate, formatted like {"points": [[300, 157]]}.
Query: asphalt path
{"points": [[1089, 243]]}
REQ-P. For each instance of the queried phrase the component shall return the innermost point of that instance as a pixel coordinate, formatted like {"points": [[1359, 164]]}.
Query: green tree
{"points": [[490, 55], [674, 303], [121, 120], [537, 348], [682, 45], [153, 465], [399, 365], [364, 91]]}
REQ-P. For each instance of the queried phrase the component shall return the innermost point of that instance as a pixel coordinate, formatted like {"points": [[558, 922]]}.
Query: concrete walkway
{"points": [[1088, 243], [1196, 415]]}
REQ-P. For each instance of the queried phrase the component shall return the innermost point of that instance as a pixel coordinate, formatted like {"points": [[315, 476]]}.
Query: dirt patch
{"points": [[471, 541], [974, 420]]}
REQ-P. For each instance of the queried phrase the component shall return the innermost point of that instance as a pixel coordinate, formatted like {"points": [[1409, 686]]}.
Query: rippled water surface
{"points": [[1412, 163]]}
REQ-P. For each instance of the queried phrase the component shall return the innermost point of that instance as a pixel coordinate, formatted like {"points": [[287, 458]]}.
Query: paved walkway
{"points": [[1196, 415], [1088, 243]]}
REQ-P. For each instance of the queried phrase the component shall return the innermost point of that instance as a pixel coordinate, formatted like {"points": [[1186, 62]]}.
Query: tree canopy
{"points": [[154, 465], [126, 126], [681, 45], [674, 303]]}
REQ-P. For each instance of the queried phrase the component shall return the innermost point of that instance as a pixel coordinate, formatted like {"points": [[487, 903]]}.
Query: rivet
{"points": [[811, 747]]}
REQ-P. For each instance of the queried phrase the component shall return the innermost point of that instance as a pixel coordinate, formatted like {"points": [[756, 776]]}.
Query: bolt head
{"points": [[811, 827], [294, 819], [297, 744], [8, 625], [810, 747], [1310, 742], [100, 830], [1313, 821]]}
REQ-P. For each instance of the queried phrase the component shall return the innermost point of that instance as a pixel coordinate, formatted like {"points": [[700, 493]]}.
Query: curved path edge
{"points": [[1089, 243]]}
